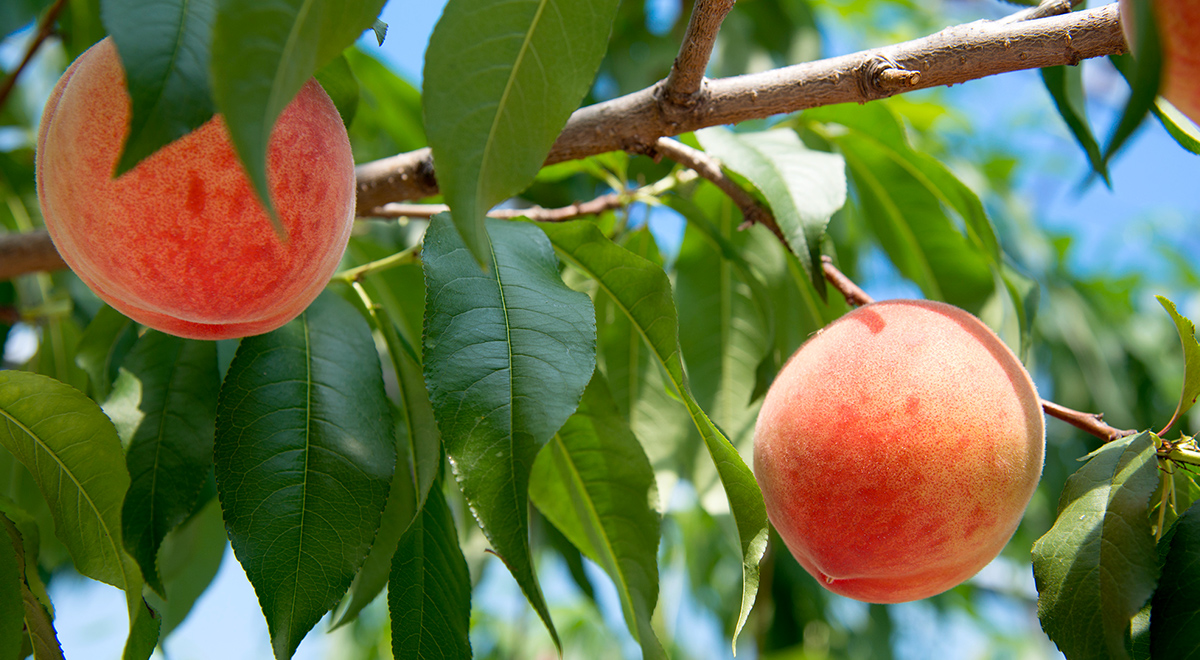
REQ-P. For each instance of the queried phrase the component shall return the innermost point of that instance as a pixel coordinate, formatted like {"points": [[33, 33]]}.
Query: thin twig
{"points": [[45, 29], [1044, 9], [1091, 422], [687, 73], [636, 121], [854, 295], [536, 213], [710, 168]]}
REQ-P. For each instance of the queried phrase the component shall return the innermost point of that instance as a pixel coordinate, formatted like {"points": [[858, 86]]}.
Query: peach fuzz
{"points": [[1179, 37], [897, 450], [181, 242]]}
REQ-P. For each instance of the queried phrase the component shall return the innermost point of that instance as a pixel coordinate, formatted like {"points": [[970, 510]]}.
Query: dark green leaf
{"points": [[804, 188], [642, 292], [164, 405], [12, 604], [304, 456], [1098, 564], [595, 484], [380, 29], [1145, 80], [341, 86], [143, 629], [429, 594], [164, 47], [104, 343], [263, 53], [1065, 84], [397, 515], [1178, 125], [23, 529], [508, 353], [1173, 630], [1191, 358], [501, 79], [188, 561]]}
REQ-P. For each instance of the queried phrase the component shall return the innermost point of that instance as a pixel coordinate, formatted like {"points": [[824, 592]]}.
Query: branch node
{"points": [[881, 76]]}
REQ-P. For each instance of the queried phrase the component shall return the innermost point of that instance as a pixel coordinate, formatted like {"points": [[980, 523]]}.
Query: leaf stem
{"points": [[353, 275]]}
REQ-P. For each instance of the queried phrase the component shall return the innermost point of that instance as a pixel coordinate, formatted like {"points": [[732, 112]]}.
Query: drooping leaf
{"points": [[501, 79], [595, 484], [397, 515], [642, 292], [508, 353], [304, 456], [804, 188], [429, 593], [23, 529], [342, 87], [1145, 80], [144, 626], [76, 459], [12, 603], [164, 406], [188, 560], [104, 343], [1191, 358], [73, 452], [904, 195], [1097, 566], [164, 47], [1173, 632], [263, 53], [1065, 84]]}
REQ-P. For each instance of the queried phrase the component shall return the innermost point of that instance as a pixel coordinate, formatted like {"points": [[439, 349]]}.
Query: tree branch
{"points": [[710, 168], [636, 122], [45, 28], [953, 56], [687, 73], [1089, 422], [1044, 9], [27, 253], [536, 213]]}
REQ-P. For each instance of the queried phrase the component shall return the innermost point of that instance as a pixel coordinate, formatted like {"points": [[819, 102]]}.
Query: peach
{"points": [[181, 242], [1179, 34], [897, 450]]}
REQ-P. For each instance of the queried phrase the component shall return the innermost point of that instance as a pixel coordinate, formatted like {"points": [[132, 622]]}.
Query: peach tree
{"points": [[519, 357]]}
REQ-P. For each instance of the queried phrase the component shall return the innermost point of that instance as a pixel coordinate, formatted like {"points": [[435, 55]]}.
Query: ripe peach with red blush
{"points": [[181, 242], [897, 450]]}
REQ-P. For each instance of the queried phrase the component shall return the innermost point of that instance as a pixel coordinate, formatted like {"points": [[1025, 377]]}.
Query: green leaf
{"points": [[1097, 566], [904, 195], [188, 560], [508, 353], [59, 345], [263, 53], [501, 79], [12, 603], [804, 188], [1191, 356], [1025, 294], [397, 515], [16, 14], [1065, 84], [724, 313], [23, 529], [642, 292], [72, 449], [304, 456], [595, 484], [429, 594], [143, 628], [164, 47], [73, 452], [164, 405], [1145, 80], [342, 87], [1173, 632], [104, 343]]}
